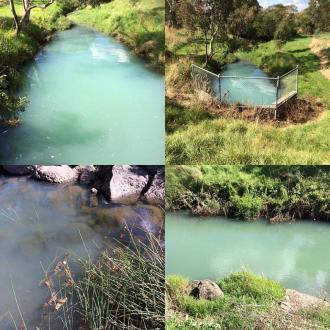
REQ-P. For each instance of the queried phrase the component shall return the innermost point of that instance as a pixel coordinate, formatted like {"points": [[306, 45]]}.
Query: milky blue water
{"points": [[91, 102], [246, 91], [39, 224], [295, 254]]}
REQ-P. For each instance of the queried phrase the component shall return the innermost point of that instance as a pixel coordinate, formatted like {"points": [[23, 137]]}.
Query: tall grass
{"points": [[278, 193], [123, 289]]}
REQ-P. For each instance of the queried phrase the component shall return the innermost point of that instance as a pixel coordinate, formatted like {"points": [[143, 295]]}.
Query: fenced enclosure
{"points": [[262, 92]]}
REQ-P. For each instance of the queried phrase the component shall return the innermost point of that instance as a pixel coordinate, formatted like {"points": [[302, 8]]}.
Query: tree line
{"points": [[235, 21]]}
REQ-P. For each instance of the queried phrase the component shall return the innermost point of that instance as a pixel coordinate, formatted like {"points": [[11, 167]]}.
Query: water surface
{"points": [[247, 91], [295, 254], [91, 101], [39, 222]]}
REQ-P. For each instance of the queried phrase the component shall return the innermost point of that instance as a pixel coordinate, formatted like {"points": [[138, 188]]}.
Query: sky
{"points": [[301, 4]]}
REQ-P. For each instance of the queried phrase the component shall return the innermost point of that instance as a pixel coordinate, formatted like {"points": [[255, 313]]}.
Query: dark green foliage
{"points": [[277, 192]]}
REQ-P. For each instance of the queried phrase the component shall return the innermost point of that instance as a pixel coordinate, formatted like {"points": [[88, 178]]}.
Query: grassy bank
{"points": [[278, 193], [16, 50], [249, 302], [139, 24], [194, 137]]}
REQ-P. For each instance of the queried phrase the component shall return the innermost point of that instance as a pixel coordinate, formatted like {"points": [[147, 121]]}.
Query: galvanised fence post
{"points": [[297, 73], [277, 88], [219, 87]]}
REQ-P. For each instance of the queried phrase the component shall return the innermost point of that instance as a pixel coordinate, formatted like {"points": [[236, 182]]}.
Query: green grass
{"points": [[234, 141], [138, 26], [279, 193], [246, 297]]}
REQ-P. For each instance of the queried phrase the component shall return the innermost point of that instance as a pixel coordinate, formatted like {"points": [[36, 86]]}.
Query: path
{"points": [[321, 47]]}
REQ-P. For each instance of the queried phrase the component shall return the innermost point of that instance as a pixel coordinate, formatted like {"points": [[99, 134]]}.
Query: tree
{"points": [[285, 30], [319, 11], [28, 6], [208, 17]]}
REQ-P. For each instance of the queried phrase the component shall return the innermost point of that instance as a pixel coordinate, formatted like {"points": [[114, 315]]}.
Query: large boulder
{"points": [[19, 169], [204, 289], [127, 181], [296, 301], [56, 174], [156, 192]]}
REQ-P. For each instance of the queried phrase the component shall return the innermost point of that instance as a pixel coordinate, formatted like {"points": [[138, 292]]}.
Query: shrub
{"points": [[249, 285]]}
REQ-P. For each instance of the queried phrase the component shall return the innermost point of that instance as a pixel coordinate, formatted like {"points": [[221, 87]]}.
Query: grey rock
{"points": [[204, 289], [156, 192], [56, 174], [295, 301], [127, 181], [19, 169]]}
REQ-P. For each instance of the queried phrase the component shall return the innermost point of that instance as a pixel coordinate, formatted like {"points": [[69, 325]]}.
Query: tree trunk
{"points": [[206, 49], [26, 19], [13, 11]]}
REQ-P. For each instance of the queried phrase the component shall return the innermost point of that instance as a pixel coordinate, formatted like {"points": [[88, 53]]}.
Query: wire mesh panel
{"points": [[248, 91], [288, 84], [259, 91], [205, 81]]}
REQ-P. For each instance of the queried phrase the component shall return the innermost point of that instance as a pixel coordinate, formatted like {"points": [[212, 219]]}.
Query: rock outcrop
{"points": [[296, 301], [204, 289], [127, 181], [156, 191], [56, 174]]}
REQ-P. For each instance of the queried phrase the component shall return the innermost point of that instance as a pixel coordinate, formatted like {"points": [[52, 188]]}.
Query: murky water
{"points": [[295, 254], [247, 91], [39, 222], [88, 96]]}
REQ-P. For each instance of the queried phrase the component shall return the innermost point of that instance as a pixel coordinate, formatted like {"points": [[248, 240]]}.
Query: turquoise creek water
{"points": [[88, 96], [39, 222], [247, 91], [297, 254]]}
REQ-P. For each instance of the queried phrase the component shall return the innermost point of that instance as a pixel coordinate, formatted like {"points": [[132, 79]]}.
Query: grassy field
{"points": [[140, 26], [249, 302], [277, 193], [197, 138]]}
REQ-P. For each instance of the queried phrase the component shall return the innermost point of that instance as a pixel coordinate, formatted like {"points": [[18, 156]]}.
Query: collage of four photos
{"points": [[164, 164]]}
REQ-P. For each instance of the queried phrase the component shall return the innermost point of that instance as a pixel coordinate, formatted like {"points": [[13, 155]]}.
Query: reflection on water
{"points": [[294, 254], [88, 96], [40, 221]]}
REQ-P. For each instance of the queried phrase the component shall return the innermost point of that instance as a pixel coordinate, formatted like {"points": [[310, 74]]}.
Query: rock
{"points": [[204, 289], [148, 48], [87, 174], [56, 174], [19, 169], [127, 181], [156, 192], [295, 301]]}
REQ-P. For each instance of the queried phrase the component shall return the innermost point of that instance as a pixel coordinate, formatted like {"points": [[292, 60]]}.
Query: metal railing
{"points": [[247, 91]]}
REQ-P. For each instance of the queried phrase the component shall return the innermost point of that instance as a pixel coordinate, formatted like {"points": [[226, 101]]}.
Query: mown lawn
{"points": [[140, 26], [232, 141]]}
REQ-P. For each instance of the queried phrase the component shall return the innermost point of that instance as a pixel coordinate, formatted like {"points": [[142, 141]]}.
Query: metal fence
{"points": [[247, 91]]}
